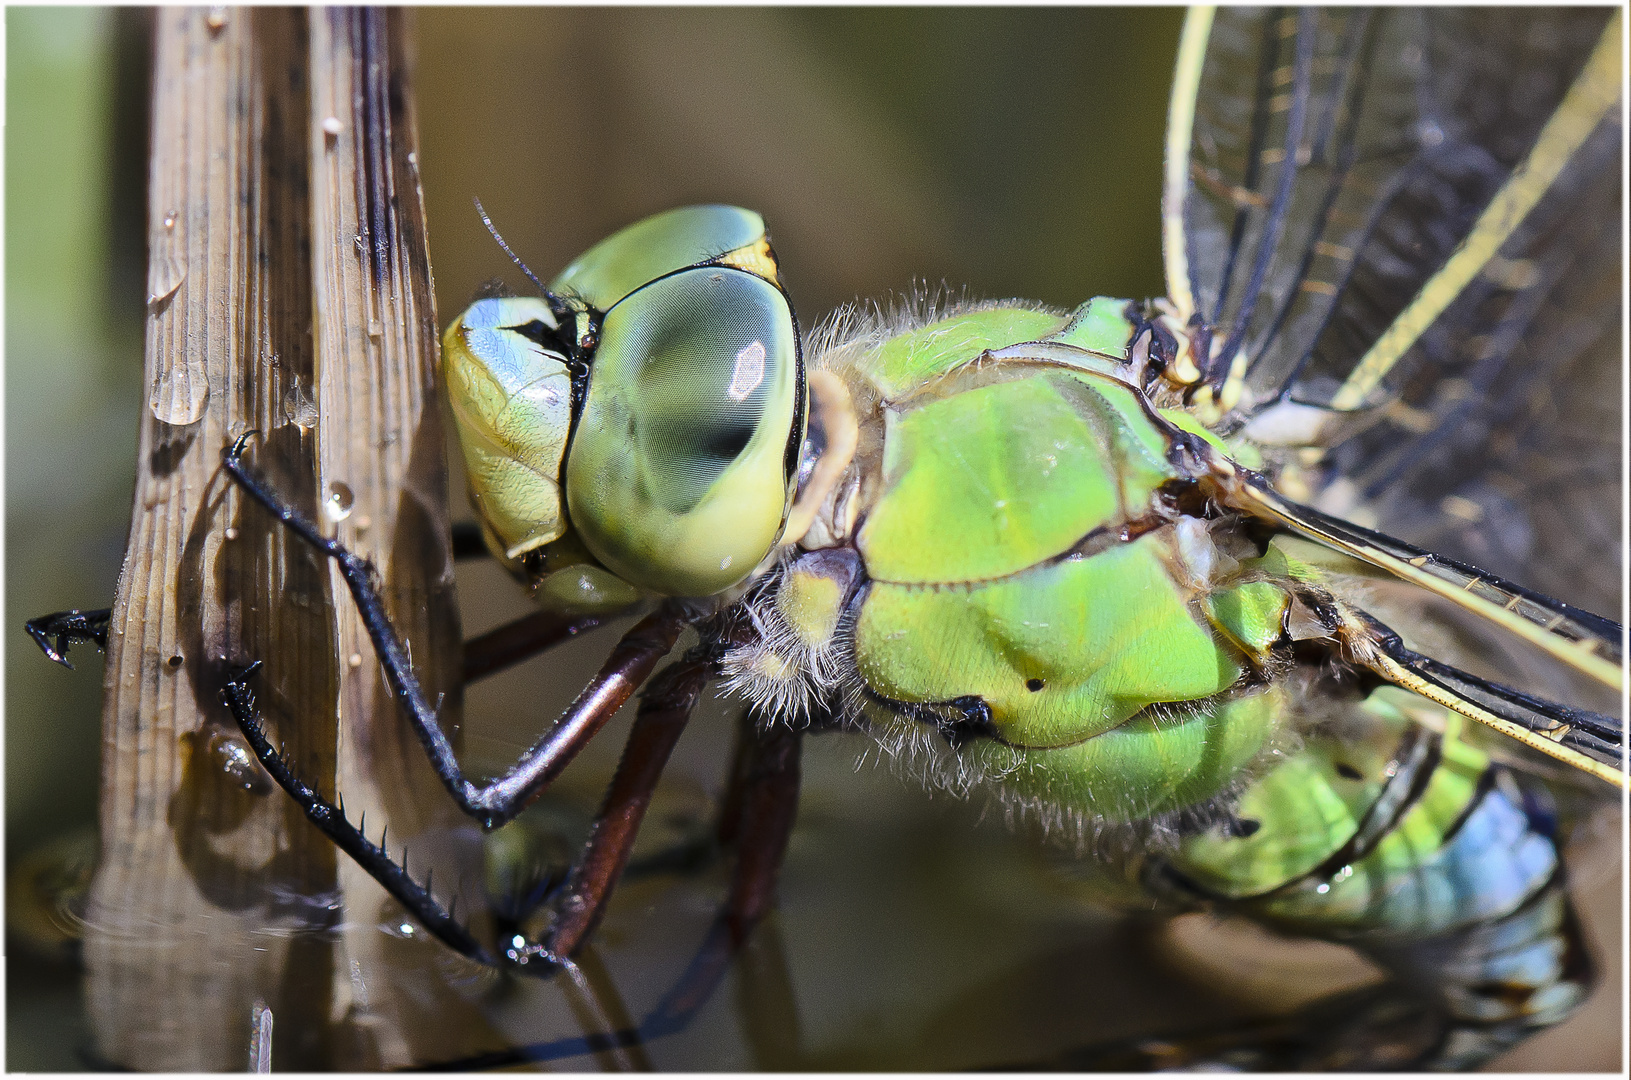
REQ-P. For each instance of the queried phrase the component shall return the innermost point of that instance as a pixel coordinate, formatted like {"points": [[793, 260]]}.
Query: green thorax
{"points": [[1024, 555]]}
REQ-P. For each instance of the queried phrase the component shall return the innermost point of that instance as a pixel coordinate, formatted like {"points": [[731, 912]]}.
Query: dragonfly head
{"points": [[646, 414]]}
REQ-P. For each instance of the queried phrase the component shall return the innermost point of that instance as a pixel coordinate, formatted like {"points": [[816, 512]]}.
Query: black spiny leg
{"points": [[67, 628], [492, 803], [500, 800], [331, 820]]}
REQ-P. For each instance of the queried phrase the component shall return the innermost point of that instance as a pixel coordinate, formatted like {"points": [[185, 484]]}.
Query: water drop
{"points": [[164, 278], [232, 756], [337, 507], [180, 393], [166, 260], [299, 408]]}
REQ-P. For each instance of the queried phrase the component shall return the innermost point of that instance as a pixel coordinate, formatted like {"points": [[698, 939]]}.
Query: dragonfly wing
{"points": [[1587, 642], [1588, 741], [1497, 440], [1592, 734], [1339, 159], [1583, 641], [1300, 122], [1402, 228], [1436, 372]]}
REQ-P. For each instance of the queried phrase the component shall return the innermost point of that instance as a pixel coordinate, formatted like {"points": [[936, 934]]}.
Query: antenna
{"points": [[487, 221]]}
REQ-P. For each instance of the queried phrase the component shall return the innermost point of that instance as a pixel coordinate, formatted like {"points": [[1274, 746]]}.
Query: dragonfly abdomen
{"points": [[1415, 848]]}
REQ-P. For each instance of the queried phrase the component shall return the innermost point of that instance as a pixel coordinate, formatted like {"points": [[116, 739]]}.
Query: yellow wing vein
{"points": [[1186, 84], [1590, 98], [1579, 652]]}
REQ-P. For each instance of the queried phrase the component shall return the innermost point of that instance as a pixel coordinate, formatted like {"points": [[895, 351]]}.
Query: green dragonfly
{"points": [[1103, 564]]}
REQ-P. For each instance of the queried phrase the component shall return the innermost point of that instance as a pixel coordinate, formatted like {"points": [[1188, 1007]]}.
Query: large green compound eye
{"points": [[677, 477], [657, 246]]}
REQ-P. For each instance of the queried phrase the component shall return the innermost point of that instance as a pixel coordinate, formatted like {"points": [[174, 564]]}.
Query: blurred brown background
{"points": [[1014, 152]]}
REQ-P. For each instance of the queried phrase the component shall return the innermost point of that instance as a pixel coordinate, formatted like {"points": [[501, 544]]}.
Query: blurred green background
{"points": [[1014, 152], [75, 275]]}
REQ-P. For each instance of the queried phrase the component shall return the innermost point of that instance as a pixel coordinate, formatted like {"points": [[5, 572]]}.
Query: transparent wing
{"points": [[1590, 644], [1401, 231], [1339, 159]]}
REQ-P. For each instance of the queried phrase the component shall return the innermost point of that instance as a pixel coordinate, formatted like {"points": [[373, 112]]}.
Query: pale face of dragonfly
{"points": [[894, 208]]}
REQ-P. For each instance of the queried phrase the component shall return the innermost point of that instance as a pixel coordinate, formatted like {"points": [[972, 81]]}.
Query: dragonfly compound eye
{"points": [[662, 244], [677, 479], [678, 473]]}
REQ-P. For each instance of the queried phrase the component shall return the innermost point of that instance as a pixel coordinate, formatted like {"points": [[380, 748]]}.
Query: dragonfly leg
{"points": [[331, 821], [499, 800], [766, 808], [699, 852], [665, 709], [742, 757], [526, 637], [704, 847], [766, 804], [56, 632]]}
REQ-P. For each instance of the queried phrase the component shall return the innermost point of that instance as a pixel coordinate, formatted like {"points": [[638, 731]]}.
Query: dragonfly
{"points": [[1294, 377]]}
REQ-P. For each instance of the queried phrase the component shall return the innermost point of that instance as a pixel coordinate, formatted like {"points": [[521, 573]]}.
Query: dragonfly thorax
{"points": [[1017, 558]]}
